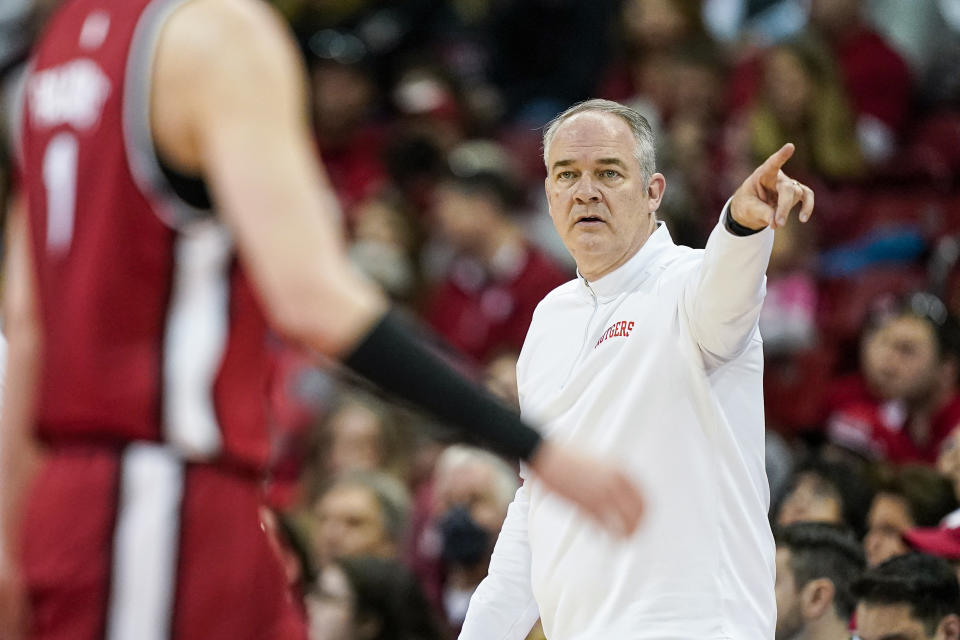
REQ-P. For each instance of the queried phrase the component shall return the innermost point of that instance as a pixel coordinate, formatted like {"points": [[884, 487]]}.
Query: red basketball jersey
{"points": [[151, 331]]}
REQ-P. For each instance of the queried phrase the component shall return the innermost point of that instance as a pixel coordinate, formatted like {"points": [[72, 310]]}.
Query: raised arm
{"points": [[723, 302]]}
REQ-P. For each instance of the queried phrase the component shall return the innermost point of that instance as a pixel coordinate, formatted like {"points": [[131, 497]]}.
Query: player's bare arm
{"points": [[229, 103], [239, 119], [18, 451]]}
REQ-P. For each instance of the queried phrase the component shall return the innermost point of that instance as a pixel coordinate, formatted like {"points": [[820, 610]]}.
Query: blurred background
{"points": [[428, 116]]}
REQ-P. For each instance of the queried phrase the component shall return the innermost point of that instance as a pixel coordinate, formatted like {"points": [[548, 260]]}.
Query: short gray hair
{"points": [[456, 457], [644, 152], [391, 496]]}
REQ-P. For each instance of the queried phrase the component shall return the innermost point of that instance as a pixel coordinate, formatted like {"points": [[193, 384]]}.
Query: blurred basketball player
{"points": [[136, 315]]}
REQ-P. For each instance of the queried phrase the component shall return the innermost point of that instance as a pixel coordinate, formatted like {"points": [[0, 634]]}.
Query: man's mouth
{"points": [[589, 220]]}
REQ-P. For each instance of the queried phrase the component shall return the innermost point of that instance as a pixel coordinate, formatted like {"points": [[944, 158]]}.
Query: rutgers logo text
{"points": [[616, 330]]}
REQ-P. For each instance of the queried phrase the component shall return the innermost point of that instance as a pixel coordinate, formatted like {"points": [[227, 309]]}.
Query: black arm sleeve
{"points": [[402, 365]]}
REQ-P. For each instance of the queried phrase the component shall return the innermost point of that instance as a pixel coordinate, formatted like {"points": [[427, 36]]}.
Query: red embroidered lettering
{"points": [[616, 330]]}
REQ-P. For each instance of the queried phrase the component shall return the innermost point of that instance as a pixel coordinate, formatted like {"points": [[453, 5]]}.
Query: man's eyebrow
{"points": [[615, 161]]}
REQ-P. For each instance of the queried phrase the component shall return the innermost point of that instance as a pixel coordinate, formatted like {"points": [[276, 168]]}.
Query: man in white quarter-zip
{"points": [[651, 357]]}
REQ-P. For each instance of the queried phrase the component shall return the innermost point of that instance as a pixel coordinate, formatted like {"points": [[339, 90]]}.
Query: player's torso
{"points": [[150, 331]]}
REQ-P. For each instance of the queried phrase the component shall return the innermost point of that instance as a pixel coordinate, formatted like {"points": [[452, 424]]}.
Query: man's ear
{"points": [[816, 598], [655, 190], [949, 628]]}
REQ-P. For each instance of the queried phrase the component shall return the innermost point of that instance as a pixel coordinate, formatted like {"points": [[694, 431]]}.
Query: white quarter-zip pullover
{"points": [[657, 365]]}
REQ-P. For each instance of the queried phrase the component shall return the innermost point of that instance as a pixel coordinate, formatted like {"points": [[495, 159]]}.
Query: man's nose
{"points": [[587, 191]]}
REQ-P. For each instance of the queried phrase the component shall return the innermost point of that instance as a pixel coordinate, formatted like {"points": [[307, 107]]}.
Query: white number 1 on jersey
{"points": [[60, 180]]}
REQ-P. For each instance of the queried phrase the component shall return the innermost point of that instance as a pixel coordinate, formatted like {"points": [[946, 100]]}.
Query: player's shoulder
{"points": [[225, 30], [250, 16]]}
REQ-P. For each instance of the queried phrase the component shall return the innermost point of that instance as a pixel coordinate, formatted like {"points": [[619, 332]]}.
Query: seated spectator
{"points": [[906, 401], [368, 598], [825, 491], [649, 29], [384, 244], [817, 564], [910, 597], [875, 76], [344, 95], [497, 277], [360, 513], [362, 433], [802, 100], [472, 489], [914, 496]]}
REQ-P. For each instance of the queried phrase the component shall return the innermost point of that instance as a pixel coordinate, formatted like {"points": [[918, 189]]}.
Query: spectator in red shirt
{"points": [[497, 278], [908, 401], [875, 75], [344, 105]]}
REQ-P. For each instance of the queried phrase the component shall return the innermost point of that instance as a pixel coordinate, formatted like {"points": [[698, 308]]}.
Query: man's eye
{"points": [[610, 173], [565, 175]]}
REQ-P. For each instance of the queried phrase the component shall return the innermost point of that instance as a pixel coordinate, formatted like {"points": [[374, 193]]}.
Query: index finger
{"points": [[768, 171]]}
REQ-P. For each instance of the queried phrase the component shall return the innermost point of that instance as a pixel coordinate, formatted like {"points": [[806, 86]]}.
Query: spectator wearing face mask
{"points": [[472, 490]]}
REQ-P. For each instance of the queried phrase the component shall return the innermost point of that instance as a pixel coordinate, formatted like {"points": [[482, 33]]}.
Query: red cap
{"points": [[938, 541]]}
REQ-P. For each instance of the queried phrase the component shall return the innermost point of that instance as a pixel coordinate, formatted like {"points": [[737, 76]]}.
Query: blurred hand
{"points": [[13, 602], [767, 197], [608, 495]]}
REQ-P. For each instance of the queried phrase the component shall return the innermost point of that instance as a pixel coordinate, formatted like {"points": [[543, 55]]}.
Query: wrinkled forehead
{"points": [[590, 135]]}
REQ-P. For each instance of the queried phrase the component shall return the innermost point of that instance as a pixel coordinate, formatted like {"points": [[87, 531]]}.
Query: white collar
{"points": [[636, 269]]}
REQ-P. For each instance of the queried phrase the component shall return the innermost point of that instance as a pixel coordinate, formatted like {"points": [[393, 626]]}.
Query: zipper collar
{"points": [[635, 270]]}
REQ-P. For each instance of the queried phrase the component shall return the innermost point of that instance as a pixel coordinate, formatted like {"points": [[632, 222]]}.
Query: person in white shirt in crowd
{"points": [[652, 357]]}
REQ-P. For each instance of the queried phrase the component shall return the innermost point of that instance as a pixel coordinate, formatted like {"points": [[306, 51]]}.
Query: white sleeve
{"points": [[503, 606], [724, 299]]}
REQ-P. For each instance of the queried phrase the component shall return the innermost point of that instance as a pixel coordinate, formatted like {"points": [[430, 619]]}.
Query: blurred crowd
{"points": [[428, 116]]}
